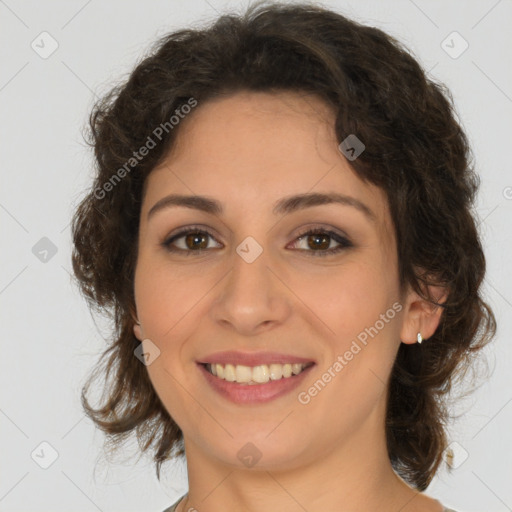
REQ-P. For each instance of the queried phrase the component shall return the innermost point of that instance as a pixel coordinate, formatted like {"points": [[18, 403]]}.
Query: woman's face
{"points": [[247, 282]]}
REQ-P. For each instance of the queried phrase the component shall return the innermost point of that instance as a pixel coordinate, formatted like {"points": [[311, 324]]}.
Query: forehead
{"points": [[250, 149]]}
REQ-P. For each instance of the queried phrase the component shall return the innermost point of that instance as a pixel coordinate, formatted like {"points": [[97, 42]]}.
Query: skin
{"points": [[247, 151]]}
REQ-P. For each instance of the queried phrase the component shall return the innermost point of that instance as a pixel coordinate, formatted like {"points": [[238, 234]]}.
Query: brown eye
{"points": [[196, 241], [317, 242], [321, 242], [188, 241]]}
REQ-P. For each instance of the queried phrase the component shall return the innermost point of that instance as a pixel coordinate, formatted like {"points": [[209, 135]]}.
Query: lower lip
{"points": [[254, 393]]}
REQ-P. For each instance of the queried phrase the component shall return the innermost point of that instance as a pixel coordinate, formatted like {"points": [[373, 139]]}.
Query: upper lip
{"points": [[252, 358]]}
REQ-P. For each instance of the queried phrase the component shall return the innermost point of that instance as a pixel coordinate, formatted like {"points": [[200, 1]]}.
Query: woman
{"points": [[281, 224]]}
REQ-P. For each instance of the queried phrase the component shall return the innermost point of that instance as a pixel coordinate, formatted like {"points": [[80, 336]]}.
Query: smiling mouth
{"points": [[252, 375]]}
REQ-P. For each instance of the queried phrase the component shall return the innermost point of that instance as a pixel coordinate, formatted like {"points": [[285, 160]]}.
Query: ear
{"points": [[137, 328], [421, 316]]}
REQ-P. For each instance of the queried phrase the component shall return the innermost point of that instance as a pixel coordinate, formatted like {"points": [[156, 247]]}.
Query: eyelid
{"points": [[321, 228], [194, 228]]}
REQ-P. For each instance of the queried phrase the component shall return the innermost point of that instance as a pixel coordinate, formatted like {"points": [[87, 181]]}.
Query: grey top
{"points": [[172, 508]]}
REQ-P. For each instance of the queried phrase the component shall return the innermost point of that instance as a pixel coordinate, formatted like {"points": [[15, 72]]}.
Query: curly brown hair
{"points": [[416, 151]]}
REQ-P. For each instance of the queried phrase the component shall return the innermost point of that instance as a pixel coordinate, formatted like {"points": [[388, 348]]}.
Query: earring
{"points": [[419, 338]]}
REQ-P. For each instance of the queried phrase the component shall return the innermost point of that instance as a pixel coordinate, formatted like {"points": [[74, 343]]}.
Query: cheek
{"points": [[168, 305], [360, 309], [357, 311], [171, 303], [165, 297], [346, 298]]}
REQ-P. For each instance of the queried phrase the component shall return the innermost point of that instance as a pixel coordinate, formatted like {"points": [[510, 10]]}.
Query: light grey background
{"points": [[50, 341]]}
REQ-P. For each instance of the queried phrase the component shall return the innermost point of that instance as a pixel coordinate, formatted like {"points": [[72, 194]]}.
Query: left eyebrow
{"points": [[301, 201], [283, 206]]}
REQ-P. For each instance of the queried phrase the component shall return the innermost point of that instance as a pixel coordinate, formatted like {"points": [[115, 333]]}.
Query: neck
{"points": [[354, 475]]}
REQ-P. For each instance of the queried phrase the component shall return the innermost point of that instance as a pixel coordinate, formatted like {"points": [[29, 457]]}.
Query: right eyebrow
{"points": [[202, 203]]}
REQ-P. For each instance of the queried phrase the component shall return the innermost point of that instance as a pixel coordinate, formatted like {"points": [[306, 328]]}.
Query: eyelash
{"points": [[344, 242]]}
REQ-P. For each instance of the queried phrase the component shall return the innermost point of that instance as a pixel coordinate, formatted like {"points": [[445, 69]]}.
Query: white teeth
{"points": [[276, 371], [296, 368], [261, 373], [229, 373], [243, 373], [256, 374], [287, 370]]}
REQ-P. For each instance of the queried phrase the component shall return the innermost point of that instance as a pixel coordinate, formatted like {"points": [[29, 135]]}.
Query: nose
{"points": [[252, 297]]}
